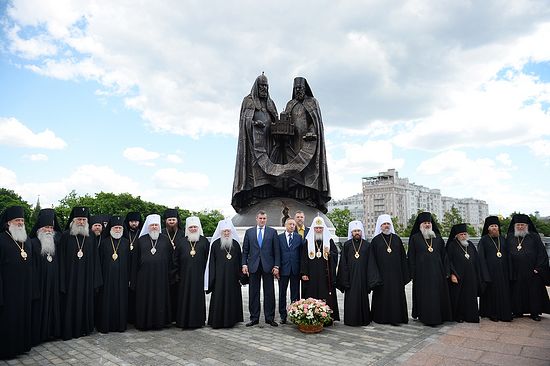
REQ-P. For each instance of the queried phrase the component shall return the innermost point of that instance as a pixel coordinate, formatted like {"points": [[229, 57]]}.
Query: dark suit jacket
{"points": [[290, 255], [269, 254]]}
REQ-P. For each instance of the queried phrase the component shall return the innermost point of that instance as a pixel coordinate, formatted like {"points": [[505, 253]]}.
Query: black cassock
{"points": [[429, 272], [46, 310], [389, 303], [16, 295], [495, 302], [356, 278], [175, 240], [112, 314], [132, 236], [529, 293], [465, 266], [322, 277], [151, 281], [80, 278], [189, 268], [224, 272]]}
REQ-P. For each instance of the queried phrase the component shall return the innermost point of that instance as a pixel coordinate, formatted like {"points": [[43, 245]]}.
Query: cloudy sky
{"points": [[144, 97]]}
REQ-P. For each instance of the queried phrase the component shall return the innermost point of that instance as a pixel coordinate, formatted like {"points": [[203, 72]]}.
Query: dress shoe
{"points": [[283, 321], [251, 323], [493, 319], [536, 318], [518, 315], [273, 323]]}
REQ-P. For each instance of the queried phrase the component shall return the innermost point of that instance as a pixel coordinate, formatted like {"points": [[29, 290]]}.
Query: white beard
{"points": [[427, 233], [116, 236], [154, 234], [318, 236], [464, 243], [18, 233], [47, 242], [521, 233], [386, 231], [83, 230], [193, 237], [226, 243]]}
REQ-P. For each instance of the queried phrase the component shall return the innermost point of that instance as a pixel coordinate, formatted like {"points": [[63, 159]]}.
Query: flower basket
{"points": [[310, 328], [309, 314]]}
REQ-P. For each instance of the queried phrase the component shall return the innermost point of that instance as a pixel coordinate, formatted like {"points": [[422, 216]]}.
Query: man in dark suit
{"points": [[290, 244], [300, 228], [261, 260]]}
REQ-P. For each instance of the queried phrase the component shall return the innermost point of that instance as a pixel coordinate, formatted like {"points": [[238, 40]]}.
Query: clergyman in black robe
{"points": [[80, 275], [318, 266], [114, 255], [16, 284], [46, 310], [466, 279], [132, 228], [151, 276], [357, 275], [174, 231], [224, 276], [189, 265], [389, 303], [429, 270], [530, 271], [494, 255]]}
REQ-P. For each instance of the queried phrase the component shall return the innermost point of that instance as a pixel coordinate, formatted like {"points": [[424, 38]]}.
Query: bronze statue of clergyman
{"points": [[281, 157]]}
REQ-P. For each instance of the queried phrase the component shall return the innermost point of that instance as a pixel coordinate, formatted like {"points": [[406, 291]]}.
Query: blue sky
{"points": [[144, 98]]}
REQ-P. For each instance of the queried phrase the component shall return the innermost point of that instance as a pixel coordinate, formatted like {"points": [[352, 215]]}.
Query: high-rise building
{"points": [[354, 204], [387, 193]]}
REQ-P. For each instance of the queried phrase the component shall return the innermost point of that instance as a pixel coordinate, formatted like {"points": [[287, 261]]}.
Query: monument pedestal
{"points": [[275, 209]]}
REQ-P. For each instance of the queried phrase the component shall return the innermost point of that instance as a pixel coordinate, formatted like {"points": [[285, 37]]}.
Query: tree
{"points": [[10, 198], [340, 219]]}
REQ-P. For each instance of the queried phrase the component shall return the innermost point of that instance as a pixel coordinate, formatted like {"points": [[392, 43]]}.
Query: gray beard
{"points": [[427, 233], [226, 243], [521, 233], [464, 243], [18, 233], [47, 242], [116, 235], [83, 230], [318, 236], [193, 237], [387, 231], [154, 234]]}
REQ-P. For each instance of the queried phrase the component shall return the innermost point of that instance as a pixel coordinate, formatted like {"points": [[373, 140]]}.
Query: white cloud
{"points": [[15, 133], [369, 156], [171, 178], [387, 62], [140, 155], [8, 178], [173, 158], [541, 148], [37, 157]]}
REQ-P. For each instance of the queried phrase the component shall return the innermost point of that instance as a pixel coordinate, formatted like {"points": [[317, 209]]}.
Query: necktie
{"points": [[260, 237], [289, 238]]}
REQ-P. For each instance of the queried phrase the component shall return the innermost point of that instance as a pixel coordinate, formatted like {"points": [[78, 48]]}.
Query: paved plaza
{"points": [[522, 342]]}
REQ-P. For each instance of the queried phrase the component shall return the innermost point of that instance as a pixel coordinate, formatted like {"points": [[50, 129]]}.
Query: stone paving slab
{"points": [[521, 342]]}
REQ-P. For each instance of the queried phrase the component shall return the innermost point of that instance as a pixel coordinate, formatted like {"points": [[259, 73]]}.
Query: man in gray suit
{"points": [[261, 260]]}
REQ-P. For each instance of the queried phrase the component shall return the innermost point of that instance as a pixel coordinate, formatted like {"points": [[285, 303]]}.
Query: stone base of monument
{"points": [[275, 209]]}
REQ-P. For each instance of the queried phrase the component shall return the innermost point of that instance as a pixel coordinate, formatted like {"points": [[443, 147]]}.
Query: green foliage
{"points": [[450, 218], [9, 198], [209, 220], [399, 228], [340, 218]]}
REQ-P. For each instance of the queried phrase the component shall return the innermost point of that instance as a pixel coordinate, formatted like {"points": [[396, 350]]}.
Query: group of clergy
{"points": [[104, 273]]}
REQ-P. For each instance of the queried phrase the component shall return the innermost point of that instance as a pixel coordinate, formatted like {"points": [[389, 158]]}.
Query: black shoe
{"points": [[251, 323], [536, 318], [283, 321], [494, 319], [273, 323], [518, 315]]}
